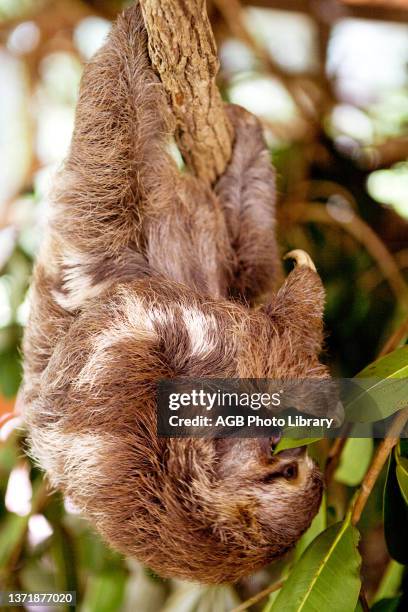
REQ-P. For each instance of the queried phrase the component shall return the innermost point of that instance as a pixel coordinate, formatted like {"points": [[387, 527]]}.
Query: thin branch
{"points": [[258, 597], [378, 463]]}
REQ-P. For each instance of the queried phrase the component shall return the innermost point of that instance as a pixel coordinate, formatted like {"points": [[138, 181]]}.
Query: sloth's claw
{"points": [[301, 258]]}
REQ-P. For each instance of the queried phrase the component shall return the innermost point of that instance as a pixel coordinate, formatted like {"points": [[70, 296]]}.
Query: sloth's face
{"points": [[280, 492], [238, 508]]}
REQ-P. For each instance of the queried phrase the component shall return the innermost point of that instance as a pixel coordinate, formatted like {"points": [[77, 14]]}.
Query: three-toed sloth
{"points": [[147, 273]]}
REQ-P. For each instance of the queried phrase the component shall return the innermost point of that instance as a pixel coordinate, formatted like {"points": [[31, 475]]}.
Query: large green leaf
{"points": [[382, 385], [381, 389], [326, 577], [395, 516], [354, 462]]}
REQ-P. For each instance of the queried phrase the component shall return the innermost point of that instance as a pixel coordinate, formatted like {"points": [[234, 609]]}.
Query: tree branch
{"points": [[378, 463], [183, 52]]}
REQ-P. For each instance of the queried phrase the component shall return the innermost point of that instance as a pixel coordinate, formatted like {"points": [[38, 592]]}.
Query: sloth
{"points": [[146, 273]]}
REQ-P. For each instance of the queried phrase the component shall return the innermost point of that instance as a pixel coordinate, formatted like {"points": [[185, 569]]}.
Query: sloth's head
{"points": [[197, 509], [222, 509]]}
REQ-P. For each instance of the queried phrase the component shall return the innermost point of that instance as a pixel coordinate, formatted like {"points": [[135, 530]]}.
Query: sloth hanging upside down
{"points": [[146, 273]]}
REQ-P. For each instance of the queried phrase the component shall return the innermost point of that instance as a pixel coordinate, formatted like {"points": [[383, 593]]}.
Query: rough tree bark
{"points": [[183, 52]]}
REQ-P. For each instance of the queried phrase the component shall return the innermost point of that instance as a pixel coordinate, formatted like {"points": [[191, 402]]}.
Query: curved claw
{"points": [[301, 258]]}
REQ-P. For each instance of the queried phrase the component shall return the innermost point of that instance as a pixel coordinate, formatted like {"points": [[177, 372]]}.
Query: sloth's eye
{"points": [[290, 471]]}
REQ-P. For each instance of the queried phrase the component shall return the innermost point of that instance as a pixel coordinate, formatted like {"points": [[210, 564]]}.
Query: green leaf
{"points": [[393, 365], [395, 516], [391, 581], [326, 577], [286, 443], [385, 389], [354, 462]]}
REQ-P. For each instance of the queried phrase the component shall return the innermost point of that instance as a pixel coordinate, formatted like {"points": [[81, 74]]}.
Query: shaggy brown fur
{"points": [[135, 284]]}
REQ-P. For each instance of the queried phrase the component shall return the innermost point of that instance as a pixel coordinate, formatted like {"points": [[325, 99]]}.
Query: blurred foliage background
{"points": [[330, 82]]}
